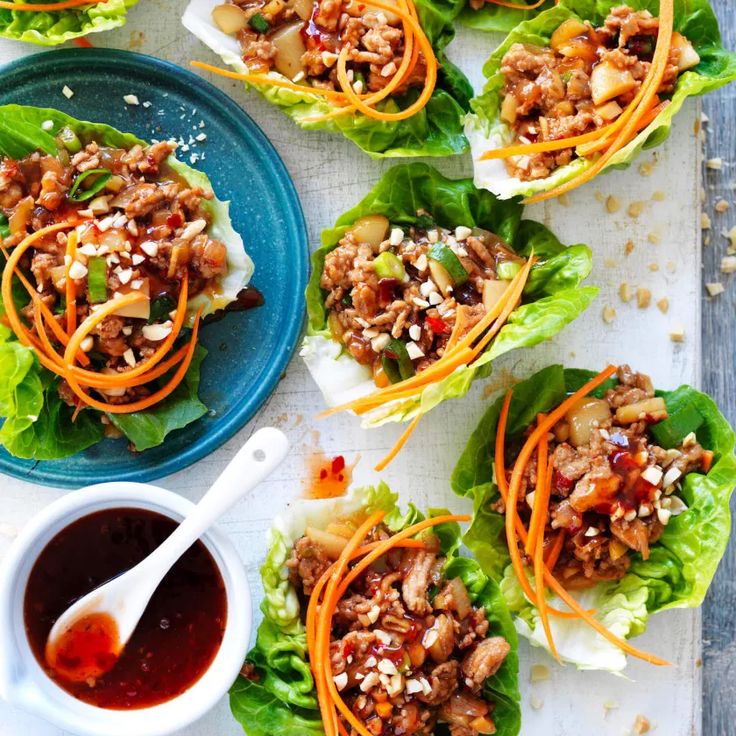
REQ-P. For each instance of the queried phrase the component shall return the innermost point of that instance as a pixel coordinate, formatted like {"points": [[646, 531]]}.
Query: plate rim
{"points": [[35, 471]]}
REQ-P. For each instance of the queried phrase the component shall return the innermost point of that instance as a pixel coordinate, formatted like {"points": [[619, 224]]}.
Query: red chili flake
{"points": [[174, 220], [438, 326], [338, 464], [322, 474], [561, 482]]}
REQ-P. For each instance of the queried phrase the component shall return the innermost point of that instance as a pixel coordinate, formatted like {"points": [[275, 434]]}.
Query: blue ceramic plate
{"points": [[248, 351]]}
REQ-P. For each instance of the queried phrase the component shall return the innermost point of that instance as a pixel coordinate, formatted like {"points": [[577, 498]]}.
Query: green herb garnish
{"points": [[75, 195], [259, 24]]}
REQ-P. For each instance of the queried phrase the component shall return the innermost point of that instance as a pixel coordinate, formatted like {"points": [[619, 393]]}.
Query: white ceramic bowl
{"points": [[24, 684]]}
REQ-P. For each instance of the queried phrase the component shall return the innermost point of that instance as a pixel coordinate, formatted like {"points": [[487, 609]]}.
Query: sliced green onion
{"points": [[396, 350], [507, 270], [671, 432], [391, 369], [160, 308], [97, 280], [449, 261], [103, 176], [389, 266], [259, 24], [424, 222], [70, 140]]}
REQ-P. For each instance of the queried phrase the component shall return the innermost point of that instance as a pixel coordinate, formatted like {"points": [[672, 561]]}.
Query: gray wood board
{"points": [[719, 352]]}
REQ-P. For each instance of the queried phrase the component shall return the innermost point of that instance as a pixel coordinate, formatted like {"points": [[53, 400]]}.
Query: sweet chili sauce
{"points": [[176, 639], [328, 477]]}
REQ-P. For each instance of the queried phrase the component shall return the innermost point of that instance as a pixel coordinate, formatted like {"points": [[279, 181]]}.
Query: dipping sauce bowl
{"points": [[24, 681]]}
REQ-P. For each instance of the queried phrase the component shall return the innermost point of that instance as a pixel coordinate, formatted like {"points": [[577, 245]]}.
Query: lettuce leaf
{"points": [[436, 130], [485, 129], [51, 28], [553, 296], [29, 398], [681, 564], [497, 18], [281, 697]]}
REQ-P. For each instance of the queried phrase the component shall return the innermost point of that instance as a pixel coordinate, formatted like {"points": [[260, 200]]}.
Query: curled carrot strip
{"points": [[70, 286]]}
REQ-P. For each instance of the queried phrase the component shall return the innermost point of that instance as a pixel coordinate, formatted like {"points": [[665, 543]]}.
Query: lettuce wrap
{"points": [[279, 696], [486, 130], [49, 28], [498, 18], [681, 564], [29, 398], [436, 130], [552, 298]]}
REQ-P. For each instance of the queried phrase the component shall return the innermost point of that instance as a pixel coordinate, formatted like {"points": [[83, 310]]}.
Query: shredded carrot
{"points": [[554, 553], [634, 113], [541, 499], [707, 460], [70, 286], [47, 7], [541, 595], [517, 6], [399, 444]]}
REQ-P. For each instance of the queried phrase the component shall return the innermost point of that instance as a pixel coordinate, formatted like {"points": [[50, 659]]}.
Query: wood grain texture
{"points": [[331, 175], [719, 379]]}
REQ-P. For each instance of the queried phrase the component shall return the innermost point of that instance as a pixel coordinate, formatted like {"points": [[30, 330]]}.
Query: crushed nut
{"points": [[536, 702], [629, 247], [643, 298], [539, 673], [654, 238], [609, 314], [641, 726], [612, 204], [677, 334], [714, 288], [721, 206], [663, 305], [728, 264], [635, 209], [715, 164], [659, 196], [704, 221], [625, 292]]}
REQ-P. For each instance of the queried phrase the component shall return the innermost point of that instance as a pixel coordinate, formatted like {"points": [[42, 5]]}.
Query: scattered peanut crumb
{"points": [[716, 164], [654, 267], [612, 204], [536, 703], [704, 221], [67, 92], [635, 209], [654, 238], [647, 168], [721, 206], [641, 726], [539, 673], [706, 240], [629, 246], [663, 305], [625, 292], [677, 334], [609, 314], [659, 196], [564, 199], [643, 298], [599, 196], [610, 263], [731, 235], [728, 264], [714, 288], [131, 100], [608, 706]]}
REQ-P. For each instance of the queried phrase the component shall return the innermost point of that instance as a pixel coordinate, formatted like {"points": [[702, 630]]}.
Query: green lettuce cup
{"points": [[52, 27], [498, 18], [277, 693], [435, 130], [486, 129], [33, 411], [408, 196], [680, 563]]}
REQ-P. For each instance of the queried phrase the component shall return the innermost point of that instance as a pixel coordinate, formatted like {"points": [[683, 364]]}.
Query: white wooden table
{"points": [[331, 175]]}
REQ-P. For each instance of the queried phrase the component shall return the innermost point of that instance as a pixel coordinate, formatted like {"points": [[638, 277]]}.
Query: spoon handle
{"points": [[253, 462]]}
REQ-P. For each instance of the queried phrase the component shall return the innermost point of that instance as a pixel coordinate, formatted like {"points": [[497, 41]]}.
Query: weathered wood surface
{"points": [[719, 359], [331, 175]]}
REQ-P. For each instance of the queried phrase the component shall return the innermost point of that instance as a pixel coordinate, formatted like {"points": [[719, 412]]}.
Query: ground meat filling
{"points": [[581, 82], [142, 229], [301, 39], [395, 294], [614, 490], [408, 649]]}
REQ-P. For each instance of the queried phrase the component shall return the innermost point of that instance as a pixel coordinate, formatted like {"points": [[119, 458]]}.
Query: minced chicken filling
{"points": [[394, 294], [614, 490], [408, 648], [301, 39], [581, 82], [141, 228]]}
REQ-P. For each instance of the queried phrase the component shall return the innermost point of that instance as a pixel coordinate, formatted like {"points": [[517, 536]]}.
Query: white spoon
{"points": [[124, 599]]}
